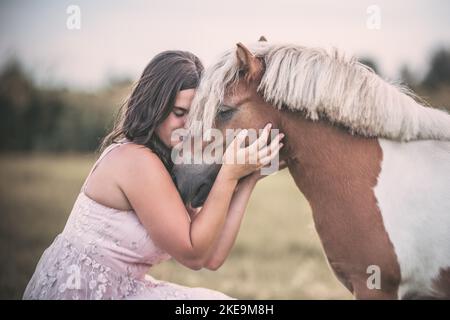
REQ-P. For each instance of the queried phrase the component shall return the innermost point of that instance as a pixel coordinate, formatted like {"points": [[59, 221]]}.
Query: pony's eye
{"points": [[225, 112]]}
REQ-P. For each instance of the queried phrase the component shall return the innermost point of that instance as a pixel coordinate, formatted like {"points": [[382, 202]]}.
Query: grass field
{"points": [[277, 254]]}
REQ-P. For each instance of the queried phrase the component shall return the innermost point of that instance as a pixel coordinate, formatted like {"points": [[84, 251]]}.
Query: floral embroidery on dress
{"points": [[104, 253]]}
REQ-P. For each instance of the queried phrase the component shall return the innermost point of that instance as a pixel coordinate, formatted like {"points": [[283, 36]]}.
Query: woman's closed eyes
{"points": [[179, 111]]}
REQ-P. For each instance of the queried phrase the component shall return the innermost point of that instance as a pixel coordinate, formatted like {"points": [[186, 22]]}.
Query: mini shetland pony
{"points": [[373, 162]]}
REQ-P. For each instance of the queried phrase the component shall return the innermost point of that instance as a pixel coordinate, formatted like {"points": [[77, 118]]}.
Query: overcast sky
{"points": [[120, 37]]}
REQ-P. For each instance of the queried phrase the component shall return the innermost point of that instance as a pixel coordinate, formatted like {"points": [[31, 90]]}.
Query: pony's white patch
{"points": [[323, 84], [413, 194]]}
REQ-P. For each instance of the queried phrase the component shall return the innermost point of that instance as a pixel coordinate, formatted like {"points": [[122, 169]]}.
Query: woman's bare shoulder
{"points": [[131, 159], [132, 154], [133, 149]]}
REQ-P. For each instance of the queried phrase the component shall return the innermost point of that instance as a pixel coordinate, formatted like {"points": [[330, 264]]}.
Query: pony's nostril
{"points": [[200, 195], [199, 190]]}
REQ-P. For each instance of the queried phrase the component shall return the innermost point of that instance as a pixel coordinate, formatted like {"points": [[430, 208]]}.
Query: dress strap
{"points": [[104, 153]]}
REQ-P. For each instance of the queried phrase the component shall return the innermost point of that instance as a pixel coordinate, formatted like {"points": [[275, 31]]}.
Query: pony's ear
{"points": [[262, 39], [250, 65]]}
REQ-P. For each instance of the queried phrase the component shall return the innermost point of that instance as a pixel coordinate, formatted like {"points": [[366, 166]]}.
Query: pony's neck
{"points": [[327, 163], [337, 173]]}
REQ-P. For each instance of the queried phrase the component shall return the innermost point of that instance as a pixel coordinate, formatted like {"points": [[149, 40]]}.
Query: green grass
{"points": [[277, 254]]}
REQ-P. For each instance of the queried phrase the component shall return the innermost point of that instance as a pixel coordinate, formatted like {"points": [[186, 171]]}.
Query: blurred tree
{"points": [[17, 97], [439, 72], [118, 81], [33, 118], [407, 77], [370, 63]]}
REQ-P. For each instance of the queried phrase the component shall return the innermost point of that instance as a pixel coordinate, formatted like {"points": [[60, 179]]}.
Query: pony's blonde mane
{"points": [[323, 84]]}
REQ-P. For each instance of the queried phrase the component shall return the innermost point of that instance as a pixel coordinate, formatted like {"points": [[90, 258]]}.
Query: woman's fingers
{"points": [[234, 149], [262, 140], [270, 148], [270, 152], [253, 148], [259, 149], [240, 137], [239, 140], [267, 159], [282, 164]]}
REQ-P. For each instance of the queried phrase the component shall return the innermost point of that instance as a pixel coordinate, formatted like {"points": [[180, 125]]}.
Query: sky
{"points": [[118, 38]]}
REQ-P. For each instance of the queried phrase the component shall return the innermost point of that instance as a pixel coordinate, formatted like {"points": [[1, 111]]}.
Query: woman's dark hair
{"points": [[152, 99]]}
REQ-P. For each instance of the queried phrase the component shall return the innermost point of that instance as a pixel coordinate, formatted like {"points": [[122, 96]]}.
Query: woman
{"points": [[129, 215]]}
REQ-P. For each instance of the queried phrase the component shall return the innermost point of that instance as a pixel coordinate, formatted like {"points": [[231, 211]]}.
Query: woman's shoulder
{"points": [[137, 166], [133, 161], [134, 154]]}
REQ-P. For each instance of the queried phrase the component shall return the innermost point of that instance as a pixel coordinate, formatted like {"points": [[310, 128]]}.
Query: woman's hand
{"points": [[240, 161], [256, 176]]}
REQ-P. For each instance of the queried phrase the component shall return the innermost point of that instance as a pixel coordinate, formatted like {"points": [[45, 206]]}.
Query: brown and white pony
{"points": [[373, 162]]}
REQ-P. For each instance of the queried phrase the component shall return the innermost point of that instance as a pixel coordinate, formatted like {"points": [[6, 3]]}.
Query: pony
{"points": [[371, 158]]}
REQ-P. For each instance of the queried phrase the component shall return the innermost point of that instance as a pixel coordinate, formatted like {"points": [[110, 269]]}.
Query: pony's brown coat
{"points": [[337, 172]]}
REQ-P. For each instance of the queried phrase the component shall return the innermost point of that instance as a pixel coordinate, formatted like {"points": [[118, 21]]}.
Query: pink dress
{"points": [[104, 253]]}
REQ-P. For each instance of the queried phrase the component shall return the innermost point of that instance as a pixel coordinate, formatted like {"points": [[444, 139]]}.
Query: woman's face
{"points": [[177, 117]]}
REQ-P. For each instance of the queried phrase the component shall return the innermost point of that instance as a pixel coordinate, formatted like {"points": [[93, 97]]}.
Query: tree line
{"points": [[33, 118]]}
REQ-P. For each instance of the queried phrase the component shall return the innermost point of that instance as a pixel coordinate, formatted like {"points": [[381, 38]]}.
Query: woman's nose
{"points": [[184, 121]]}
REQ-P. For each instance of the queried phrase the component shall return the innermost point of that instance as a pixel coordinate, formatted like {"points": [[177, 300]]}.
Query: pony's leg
{"points": [[362, 292], [357, 285]]}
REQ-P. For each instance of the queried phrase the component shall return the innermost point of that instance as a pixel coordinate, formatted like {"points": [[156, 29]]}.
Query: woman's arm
{"points": [[153, 196], [221, 249], [158, 205]]}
